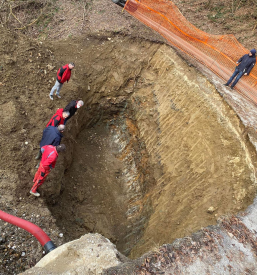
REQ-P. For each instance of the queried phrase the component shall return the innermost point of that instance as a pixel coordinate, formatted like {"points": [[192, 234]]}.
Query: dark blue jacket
{"points": [[246, 63], [51, 136]]}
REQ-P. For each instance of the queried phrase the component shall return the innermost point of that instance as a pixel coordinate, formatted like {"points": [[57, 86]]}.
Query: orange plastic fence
{"points": [[218, 52]]}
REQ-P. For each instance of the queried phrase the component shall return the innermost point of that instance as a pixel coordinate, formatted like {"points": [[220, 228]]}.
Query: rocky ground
{"points": [[19, 250], [17, 149]]}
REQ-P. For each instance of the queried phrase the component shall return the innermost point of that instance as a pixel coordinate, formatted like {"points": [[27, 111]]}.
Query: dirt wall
{"points": [[28, 71], [170, 128], [197, 148], [181, 159]]}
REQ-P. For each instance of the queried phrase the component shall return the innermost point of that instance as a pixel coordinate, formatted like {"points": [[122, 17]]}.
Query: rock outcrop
{"points": [[88, 255]]}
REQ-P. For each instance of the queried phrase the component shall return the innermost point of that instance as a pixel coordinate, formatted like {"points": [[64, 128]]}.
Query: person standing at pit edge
{"points": [[48, 161], [72, 108], [63, 74], [246, 63]]}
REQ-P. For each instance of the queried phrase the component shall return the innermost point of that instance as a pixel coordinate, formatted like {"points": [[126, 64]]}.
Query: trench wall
{"points": [[199, 157], [217, 52], [198, 153], [183, 149]]}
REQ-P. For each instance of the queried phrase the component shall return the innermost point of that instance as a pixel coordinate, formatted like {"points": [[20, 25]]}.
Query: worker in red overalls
{"points": [[48, 161], [58, 118]]}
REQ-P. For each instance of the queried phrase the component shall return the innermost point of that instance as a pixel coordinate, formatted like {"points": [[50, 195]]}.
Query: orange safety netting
{"points": [[218, 52]]}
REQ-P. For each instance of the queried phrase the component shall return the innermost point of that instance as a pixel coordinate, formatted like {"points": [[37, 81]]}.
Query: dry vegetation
{"points": [[22, 14], [47, 19], [238, 17]]}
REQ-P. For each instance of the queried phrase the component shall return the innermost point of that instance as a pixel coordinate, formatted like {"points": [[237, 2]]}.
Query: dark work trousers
{"points": [[238, 74], [66, 119]]}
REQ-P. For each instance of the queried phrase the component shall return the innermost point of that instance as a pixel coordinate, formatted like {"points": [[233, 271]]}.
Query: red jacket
{"points": [[56, 119], [49, 156], [64, 74]]}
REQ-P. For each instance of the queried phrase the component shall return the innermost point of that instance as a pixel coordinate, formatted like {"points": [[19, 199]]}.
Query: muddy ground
{"points": [[88, 172]]}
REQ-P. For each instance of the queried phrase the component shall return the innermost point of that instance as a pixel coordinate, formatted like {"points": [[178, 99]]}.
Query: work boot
{"points": [[38, 155], [232, 87], [36, 194], [51, 97], [226, 84]]}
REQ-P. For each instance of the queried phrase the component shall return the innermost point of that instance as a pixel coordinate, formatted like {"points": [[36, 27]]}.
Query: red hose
{"points": [[31, 228]]}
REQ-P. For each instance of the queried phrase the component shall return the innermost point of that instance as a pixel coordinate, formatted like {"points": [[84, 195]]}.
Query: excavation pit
{"points": [[162, 159], [170, 156]]}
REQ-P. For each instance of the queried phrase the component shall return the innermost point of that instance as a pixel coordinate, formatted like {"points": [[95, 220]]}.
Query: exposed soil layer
{"points": [[193, 154], [28, 71], [152, 150], [197, 168], [92, 191], [229, 248]]}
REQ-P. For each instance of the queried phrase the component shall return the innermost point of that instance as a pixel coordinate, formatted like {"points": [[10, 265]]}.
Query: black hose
{"points": [[120, 3], [49, 246]]}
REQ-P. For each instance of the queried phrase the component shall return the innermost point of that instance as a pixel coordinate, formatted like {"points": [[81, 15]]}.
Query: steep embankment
{"points": [[168, 158], [152, 150], [28, 71]]}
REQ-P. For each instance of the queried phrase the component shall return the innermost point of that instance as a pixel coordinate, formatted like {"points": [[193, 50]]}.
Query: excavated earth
{"points": [[155, 154]]}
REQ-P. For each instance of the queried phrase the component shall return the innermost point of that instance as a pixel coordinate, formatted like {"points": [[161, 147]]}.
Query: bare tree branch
{"points": [[15, 16], [31, 22], [10, 8]]}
